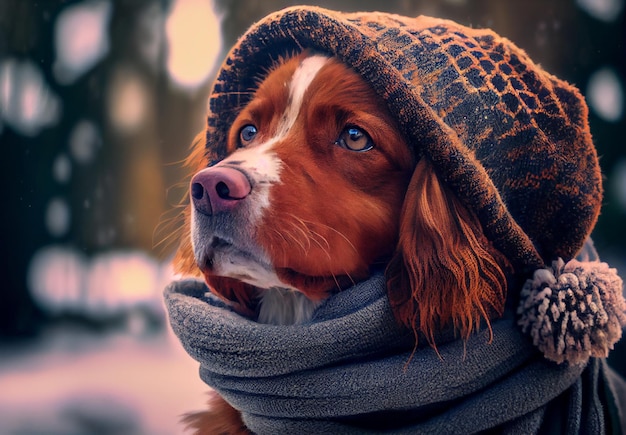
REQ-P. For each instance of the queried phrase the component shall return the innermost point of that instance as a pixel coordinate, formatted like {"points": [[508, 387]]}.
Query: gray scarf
{"points": [[352, 369]]}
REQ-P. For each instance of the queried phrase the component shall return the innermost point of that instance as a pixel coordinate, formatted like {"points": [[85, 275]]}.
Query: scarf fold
{"points": [[351, 362]]}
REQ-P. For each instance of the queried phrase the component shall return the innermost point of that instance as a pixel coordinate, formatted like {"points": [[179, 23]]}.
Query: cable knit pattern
{"points": [[511, 140]]}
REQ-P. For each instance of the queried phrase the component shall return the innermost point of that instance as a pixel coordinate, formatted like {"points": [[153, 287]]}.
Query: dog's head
{"points": [[309, 195], [438, 150], [318, 188]]}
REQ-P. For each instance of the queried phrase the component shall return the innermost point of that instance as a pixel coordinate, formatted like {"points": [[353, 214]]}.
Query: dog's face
{"points": [[310, 194], [317, 187]]}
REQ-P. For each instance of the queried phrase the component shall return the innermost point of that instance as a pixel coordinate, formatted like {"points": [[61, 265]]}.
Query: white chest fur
{"points": [[285, 307]]}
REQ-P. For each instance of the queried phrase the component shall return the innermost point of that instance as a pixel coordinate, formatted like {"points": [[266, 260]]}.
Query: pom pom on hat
{"points": [[574, 310]]}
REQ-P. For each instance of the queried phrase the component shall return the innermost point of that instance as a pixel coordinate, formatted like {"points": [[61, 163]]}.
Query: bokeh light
{"points": [[128, 101], [605, 10], [605, 95], [194, 42], [27, 103], [58, 217], [84, 141], [81, 39]]}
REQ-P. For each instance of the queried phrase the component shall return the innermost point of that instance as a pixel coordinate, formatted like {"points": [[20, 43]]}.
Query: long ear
{"points": [[444, 270]]}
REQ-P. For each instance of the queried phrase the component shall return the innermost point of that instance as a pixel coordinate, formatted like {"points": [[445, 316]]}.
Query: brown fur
{"points": [[444, 270], [219, 419], [324, 230]]}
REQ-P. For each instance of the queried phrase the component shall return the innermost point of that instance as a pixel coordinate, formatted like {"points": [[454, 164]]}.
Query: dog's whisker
{"points": [[172, 236], [326, 247], [298, 240], [292, 237], [318, 238], [321, 238], [168, 229], [315, 237], [349, 275], [299, 225], [339, 233]]}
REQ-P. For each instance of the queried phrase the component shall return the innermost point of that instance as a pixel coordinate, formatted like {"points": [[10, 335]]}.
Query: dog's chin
{"points": [[225, 258]]}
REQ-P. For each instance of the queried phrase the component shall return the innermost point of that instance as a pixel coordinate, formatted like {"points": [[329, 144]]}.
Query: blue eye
{"points": [[354, 139], [247, 134]]}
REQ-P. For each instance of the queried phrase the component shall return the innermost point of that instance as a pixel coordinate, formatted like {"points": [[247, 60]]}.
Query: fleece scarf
{"points": [[351, 369]]}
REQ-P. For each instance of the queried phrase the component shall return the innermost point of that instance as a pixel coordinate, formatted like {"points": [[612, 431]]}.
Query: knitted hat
{"points": [[510, 140]]}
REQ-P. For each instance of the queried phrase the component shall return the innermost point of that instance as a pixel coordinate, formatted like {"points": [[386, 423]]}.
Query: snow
{"points": [[134, 379], [75, 383]]}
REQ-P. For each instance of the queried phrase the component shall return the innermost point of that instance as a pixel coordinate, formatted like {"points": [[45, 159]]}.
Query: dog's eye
{"points": [[247, 134], [354, 139]]}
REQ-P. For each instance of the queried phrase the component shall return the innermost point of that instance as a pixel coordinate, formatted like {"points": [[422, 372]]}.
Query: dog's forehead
{"points": [[304, 74], [300, 82], [292, 74], [296, 75]]}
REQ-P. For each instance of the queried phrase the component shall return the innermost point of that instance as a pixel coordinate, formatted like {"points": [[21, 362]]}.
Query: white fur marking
{"points": [[280, 306], [251, 272], [263, 167], [262, 164], [302, 78], [258, 161]]}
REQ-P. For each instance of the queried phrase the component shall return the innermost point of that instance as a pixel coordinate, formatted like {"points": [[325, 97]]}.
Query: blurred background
{"points": [[99, 101]]}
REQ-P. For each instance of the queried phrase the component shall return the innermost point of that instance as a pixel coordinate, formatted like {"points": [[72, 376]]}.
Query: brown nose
{"points": [[215, 190]]}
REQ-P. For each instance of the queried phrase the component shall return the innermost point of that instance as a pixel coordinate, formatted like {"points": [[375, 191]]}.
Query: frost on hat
{"points": [[509, 139]]}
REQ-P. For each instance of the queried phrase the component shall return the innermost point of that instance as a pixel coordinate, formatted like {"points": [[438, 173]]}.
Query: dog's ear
{"points": [[444, 270]]}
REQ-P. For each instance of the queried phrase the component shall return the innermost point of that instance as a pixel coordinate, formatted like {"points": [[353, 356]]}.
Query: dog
{"points": [[320, 188]]}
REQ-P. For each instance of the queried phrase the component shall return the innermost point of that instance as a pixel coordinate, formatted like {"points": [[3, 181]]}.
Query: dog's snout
{"points": [[215, 190]]}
